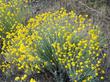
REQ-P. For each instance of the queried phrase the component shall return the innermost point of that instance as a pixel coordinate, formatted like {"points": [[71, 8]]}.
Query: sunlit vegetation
{"points": [[63, 44]]}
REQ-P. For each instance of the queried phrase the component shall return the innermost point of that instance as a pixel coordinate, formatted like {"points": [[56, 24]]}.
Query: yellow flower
{"points": [[24, 77], [103, 71], [32, 80], [17, 78], [31, 58], [21, 58], [81, 63], [96, 74], [73, 63], [75, 81], [1, 29], [83, 80], [22, 48], [102, 77]]}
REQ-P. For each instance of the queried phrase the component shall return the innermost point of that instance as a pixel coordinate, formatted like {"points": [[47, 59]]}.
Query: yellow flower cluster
{"points": [[11, 12], [23, 78], [32, 80], [55, 37], [21, 46]]}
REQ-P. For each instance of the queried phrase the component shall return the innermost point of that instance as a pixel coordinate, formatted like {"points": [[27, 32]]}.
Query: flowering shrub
{"points": [[66, 45], [12, 12]]}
